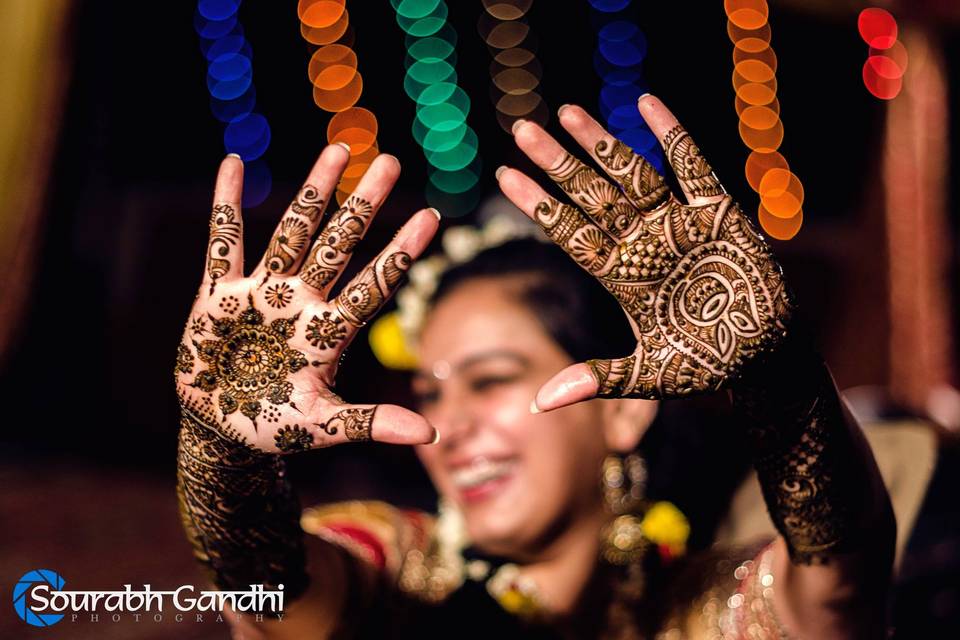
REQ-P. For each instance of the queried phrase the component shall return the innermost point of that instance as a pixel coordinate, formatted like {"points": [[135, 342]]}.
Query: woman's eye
{"points": [[489, 382]]}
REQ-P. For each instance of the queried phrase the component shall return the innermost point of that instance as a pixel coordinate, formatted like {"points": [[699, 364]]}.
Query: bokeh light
{"points": [[618, 60], [232, 95], [333, 70], [755, 87], [440, 126], [887, 57], [515, 71]]}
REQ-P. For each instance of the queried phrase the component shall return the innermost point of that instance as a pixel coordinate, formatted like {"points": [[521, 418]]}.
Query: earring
{"points": [[624, 483]]}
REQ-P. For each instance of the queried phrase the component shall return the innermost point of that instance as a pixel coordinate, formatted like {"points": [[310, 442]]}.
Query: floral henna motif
{"points": [[336, 243], [327, 331], [279, 295], [249, 361], [355, 423], [185, 359], [224, 233], [700, 284], [293, 438]]}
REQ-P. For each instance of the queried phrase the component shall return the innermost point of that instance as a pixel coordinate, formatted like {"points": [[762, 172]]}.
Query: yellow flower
{"points": [[664, 524], [388, 344]]}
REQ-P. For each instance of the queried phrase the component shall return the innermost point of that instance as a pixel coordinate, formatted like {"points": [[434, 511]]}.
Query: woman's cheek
{"points": [[510, 408]]}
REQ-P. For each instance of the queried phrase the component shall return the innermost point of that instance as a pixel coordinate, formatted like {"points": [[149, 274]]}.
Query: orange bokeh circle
{"points": [[759, 163], [341, 98], [781, 193], [320, 13], [763, 140], [753, 71], [780, 228], [761, 117], [336, 63], [747, 14], [326, 35]]}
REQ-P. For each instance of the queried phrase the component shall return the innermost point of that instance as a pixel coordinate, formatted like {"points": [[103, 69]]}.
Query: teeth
{"points": [[480, 471]]}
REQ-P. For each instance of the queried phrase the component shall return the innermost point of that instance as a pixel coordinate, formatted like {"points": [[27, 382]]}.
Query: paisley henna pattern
{"points": [[367, 292], [224, 233], [336, 243], [355, 423], [249, 361], [286, 245], [699, 282]]}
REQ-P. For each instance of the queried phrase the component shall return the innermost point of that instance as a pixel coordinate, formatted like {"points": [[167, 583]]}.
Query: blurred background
{"points": [[115, 115]]}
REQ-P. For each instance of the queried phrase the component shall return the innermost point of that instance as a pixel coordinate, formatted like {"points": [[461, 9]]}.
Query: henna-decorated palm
{"points": [[259, 354], [700, 286]]}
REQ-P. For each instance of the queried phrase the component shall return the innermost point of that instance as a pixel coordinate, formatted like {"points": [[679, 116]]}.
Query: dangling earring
{"points": [[624, 483]]}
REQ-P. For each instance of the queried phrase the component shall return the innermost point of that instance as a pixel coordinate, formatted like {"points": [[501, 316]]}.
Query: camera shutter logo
{"points": [[29, 580]]}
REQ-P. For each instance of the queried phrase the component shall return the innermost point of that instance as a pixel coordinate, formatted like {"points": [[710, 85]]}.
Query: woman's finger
{"points": [[338, 424], [696, 177], [335, 244], [290, 240], [613, 378], [604, 203], [363, 296], [641, 182], [567, 226], [225, 248]]}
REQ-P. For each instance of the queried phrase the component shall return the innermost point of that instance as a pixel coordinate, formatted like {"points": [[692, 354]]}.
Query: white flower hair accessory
{"points": [[394, 336]]}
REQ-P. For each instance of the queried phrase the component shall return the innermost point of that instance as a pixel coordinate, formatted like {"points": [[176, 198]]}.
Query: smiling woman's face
{"points": [[519, 478]]}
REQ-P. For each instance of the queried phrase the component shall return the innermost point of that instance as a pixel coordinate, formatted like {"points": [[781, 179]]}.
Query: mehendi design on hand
{"points": [[279, 295], [308, 203], [238, 509], [356, 424], [326, 332], [701, 286], [249, 361], [224, 233], [336, 242], [286, 244], [185, 359], [293, 438], [198, 325], [692, 169], [229, 304], [367, 292]]}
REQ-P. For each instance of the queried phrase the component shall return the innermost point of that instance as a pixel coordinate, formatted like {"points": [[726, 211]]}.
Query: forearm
{"points": [[817, 473], [239, 511], [822, 488]]}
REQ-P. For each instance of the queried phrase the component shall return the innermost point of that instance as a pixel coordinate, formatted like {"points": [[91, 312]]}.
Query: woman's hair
{"points": [[692, 450], [573, 308]]}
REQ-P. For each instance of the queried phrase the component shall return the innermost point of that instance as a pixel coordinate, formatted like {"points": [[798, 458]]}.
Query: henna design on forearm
{"points": [[224, 233], [308, 203], [327, 331], [293, 438], [366, 293], [700, 284], [285, 246], [356, 423], [814, 479], [249, 361], [238, 510], [336, 242]]}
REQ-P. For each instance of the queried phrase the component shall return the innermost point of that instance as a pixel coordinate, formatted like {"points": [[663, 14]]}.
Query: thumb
{"points": [[574, 384]]}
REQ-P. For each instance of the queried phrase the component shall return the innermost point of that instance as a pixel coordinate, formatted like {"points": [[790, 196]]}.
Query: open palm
{"points": [[259, 354], [700, 286]]}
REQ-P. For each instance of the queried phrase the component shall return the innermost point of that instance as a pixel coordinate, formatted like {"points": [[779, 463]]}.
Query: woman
{"points": [[509, 431]]}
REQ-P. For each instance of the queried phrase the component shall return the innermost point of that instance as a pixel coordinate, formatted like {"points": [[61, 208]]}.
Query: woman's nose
{"points": [[454, 419]]}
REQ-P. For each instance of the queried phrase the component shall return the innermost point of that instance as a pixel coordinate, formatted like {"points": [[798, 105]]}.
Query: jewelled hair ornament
{"points": [[394, 336]]}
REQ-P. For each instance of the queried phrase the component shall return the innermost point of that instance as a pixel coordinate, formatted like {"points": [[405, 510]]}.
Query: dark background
{"points": [[89, 439]]}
